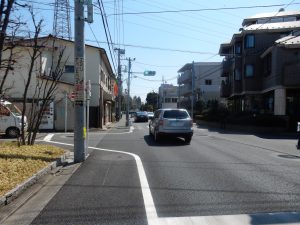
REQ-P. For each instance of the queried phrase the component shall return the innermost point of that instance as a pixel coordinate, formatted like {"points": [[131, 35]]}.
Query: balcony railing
{"points": [[225, 90], [227, 67], [185, 77], [185, 90]]}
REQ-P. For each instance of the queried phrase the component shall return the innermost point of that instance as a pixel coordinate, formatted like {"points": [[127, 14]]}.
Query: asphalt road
{"points": [[217, 174]]}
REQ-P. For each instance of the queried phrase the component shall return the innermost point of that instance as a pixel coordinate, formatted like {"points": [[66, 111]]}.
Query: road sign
{"points": [[149, 73], [72, 96]]}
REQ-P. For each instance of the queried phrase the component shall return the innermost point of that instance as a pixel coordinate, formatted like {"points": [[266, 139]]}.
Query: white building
{"points": [[207, 82], [168, 96], [98, 71]]}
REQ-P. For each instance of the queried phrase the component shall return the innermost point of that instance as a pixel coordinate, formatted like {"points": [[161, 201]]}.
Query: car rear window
{"points": [[176, 114], [141, 113]]}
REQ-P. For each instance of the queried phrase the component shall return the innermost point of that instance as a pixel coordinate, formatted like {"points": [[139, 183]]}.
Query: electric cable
{"points": [[204, 9]]}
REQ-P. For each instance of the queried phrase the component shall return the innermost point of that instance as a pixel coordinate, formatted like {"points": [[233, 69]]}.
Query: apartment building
{"points": [[261, 65], [207, 81], [98, 71]]}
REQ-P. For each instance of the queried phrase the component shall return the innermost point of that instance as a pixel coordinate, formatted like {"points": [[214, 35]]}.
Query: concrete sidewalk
{"points": [[117, 126]]}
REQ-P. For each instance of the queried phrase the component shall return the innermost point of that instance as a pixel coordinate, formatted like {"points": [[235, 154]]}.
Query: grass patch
{"points": [[19, 163]]}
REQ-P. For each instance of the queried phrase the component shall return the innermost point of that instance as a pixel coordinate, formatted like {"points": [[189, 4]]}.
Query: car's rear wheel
{"points": [[156, 136], [150, 131], [187, 140], [12, 132]]}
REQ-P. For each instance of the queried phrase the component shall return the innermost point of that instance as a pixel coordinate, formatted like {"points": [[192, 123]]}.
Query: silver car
{"points": [[171, 122]]}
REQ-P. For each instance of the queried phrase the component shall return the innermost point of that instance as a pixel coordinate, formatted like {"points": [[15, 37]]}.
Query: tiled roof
{"points": [[289, 41], [273, 26]]}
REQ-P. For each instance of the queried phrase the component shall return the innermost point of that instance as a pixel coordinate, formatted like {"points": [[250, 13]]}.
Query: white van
{"points": [[10, 119]]}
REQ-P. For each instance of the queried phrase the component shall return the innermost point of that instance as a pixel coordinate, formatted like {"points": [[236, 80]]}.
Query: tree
{"points": [[152, 100], [45, 90], [5, 12], [46, 84], [34, 52], [8, 39]]}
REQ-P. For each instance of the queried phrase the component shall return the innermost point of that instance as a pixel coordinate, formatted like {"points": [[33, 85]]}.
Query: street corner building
{"points": [[261, 66], [60, 111]]}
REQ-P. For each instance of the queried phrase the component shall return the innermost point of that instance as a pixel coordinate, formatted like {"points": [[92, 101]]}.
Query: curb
{"points": [[19, 189]]}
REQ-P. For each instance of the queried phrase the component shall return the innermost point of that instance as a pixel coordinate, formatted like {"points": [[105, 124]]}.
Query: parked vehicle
{"points": [[171, 122], [10, 119], [132, 113], [150, 115], [141, 117]]}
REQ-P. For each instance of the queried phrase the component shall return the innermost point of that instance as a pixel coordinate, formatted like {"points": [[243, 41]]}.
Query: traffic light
{"points": [[149, 73]]}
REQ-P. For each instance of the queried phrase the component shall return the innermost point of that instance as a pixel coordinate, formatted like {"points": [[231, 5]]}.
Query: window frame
{"points": [[249, 44], [69, 70], [237, 78], [246, 66], [208, 81]]}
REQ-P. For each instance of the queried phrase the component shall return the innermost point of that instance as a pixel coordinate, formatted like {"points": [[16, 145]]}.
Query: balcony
{"points": [[225, 90], [185, 77], [227, 67], [107, 94], [185, 90]]}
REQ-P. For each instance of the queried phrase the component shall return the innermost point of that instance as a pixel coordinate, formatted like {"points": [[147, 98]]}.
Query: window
{"points": [[174, 100], [267, 65], [175, 114], [237, 74], [249, 41], [208, 82], [237, 48], [167, 100], [249, 70], [69, 69]]}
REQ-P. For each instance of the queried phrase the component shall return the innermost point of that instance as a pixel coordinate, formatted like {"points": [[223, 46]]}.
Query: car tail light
{"points": [[161, 122]]}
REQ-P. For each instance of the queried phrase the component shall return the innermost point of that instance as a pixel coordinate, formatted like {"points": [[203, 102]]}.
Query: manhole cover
{"points": [[289, 156]]}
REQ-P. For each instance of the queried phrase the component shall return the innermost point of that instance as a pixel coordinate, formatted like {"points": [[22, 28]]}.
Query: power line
{"points": [[161, 49], [106, 34], [154, 65], [204, 9], [142, 78]]}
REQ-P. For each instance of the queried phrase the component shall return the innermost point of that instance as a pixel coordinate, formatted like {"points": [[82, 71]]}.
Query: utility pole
{"points": [[128, 91], [80, 79], [193, 88], [120, 51], [66, 112]]}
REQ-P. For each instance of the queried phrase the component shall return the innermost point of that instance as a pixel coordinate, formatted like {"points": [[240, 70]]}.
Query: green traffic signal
{"points": [[149, 73]]}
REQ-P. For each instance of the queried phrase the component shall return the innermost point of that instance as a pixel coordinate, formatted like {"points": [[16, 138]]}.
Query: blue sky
{"points": [[197, 34]]}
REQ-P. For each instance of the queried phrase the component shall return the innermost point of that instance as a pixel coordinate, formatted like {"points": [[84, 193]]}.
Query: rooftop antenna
{"points": [[61, 22]]}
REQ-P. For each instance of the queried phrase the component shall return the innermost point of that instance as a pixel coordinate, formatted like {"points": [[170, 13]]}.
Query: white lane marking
{"points": [[131, 129], [147, 196], [289, 218], [48, 137]]}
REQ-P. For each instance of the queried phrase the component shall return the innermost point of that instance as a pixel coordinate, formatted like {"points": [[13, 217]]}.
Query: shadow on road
{"points": [[164, 141], [261, 134]]}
